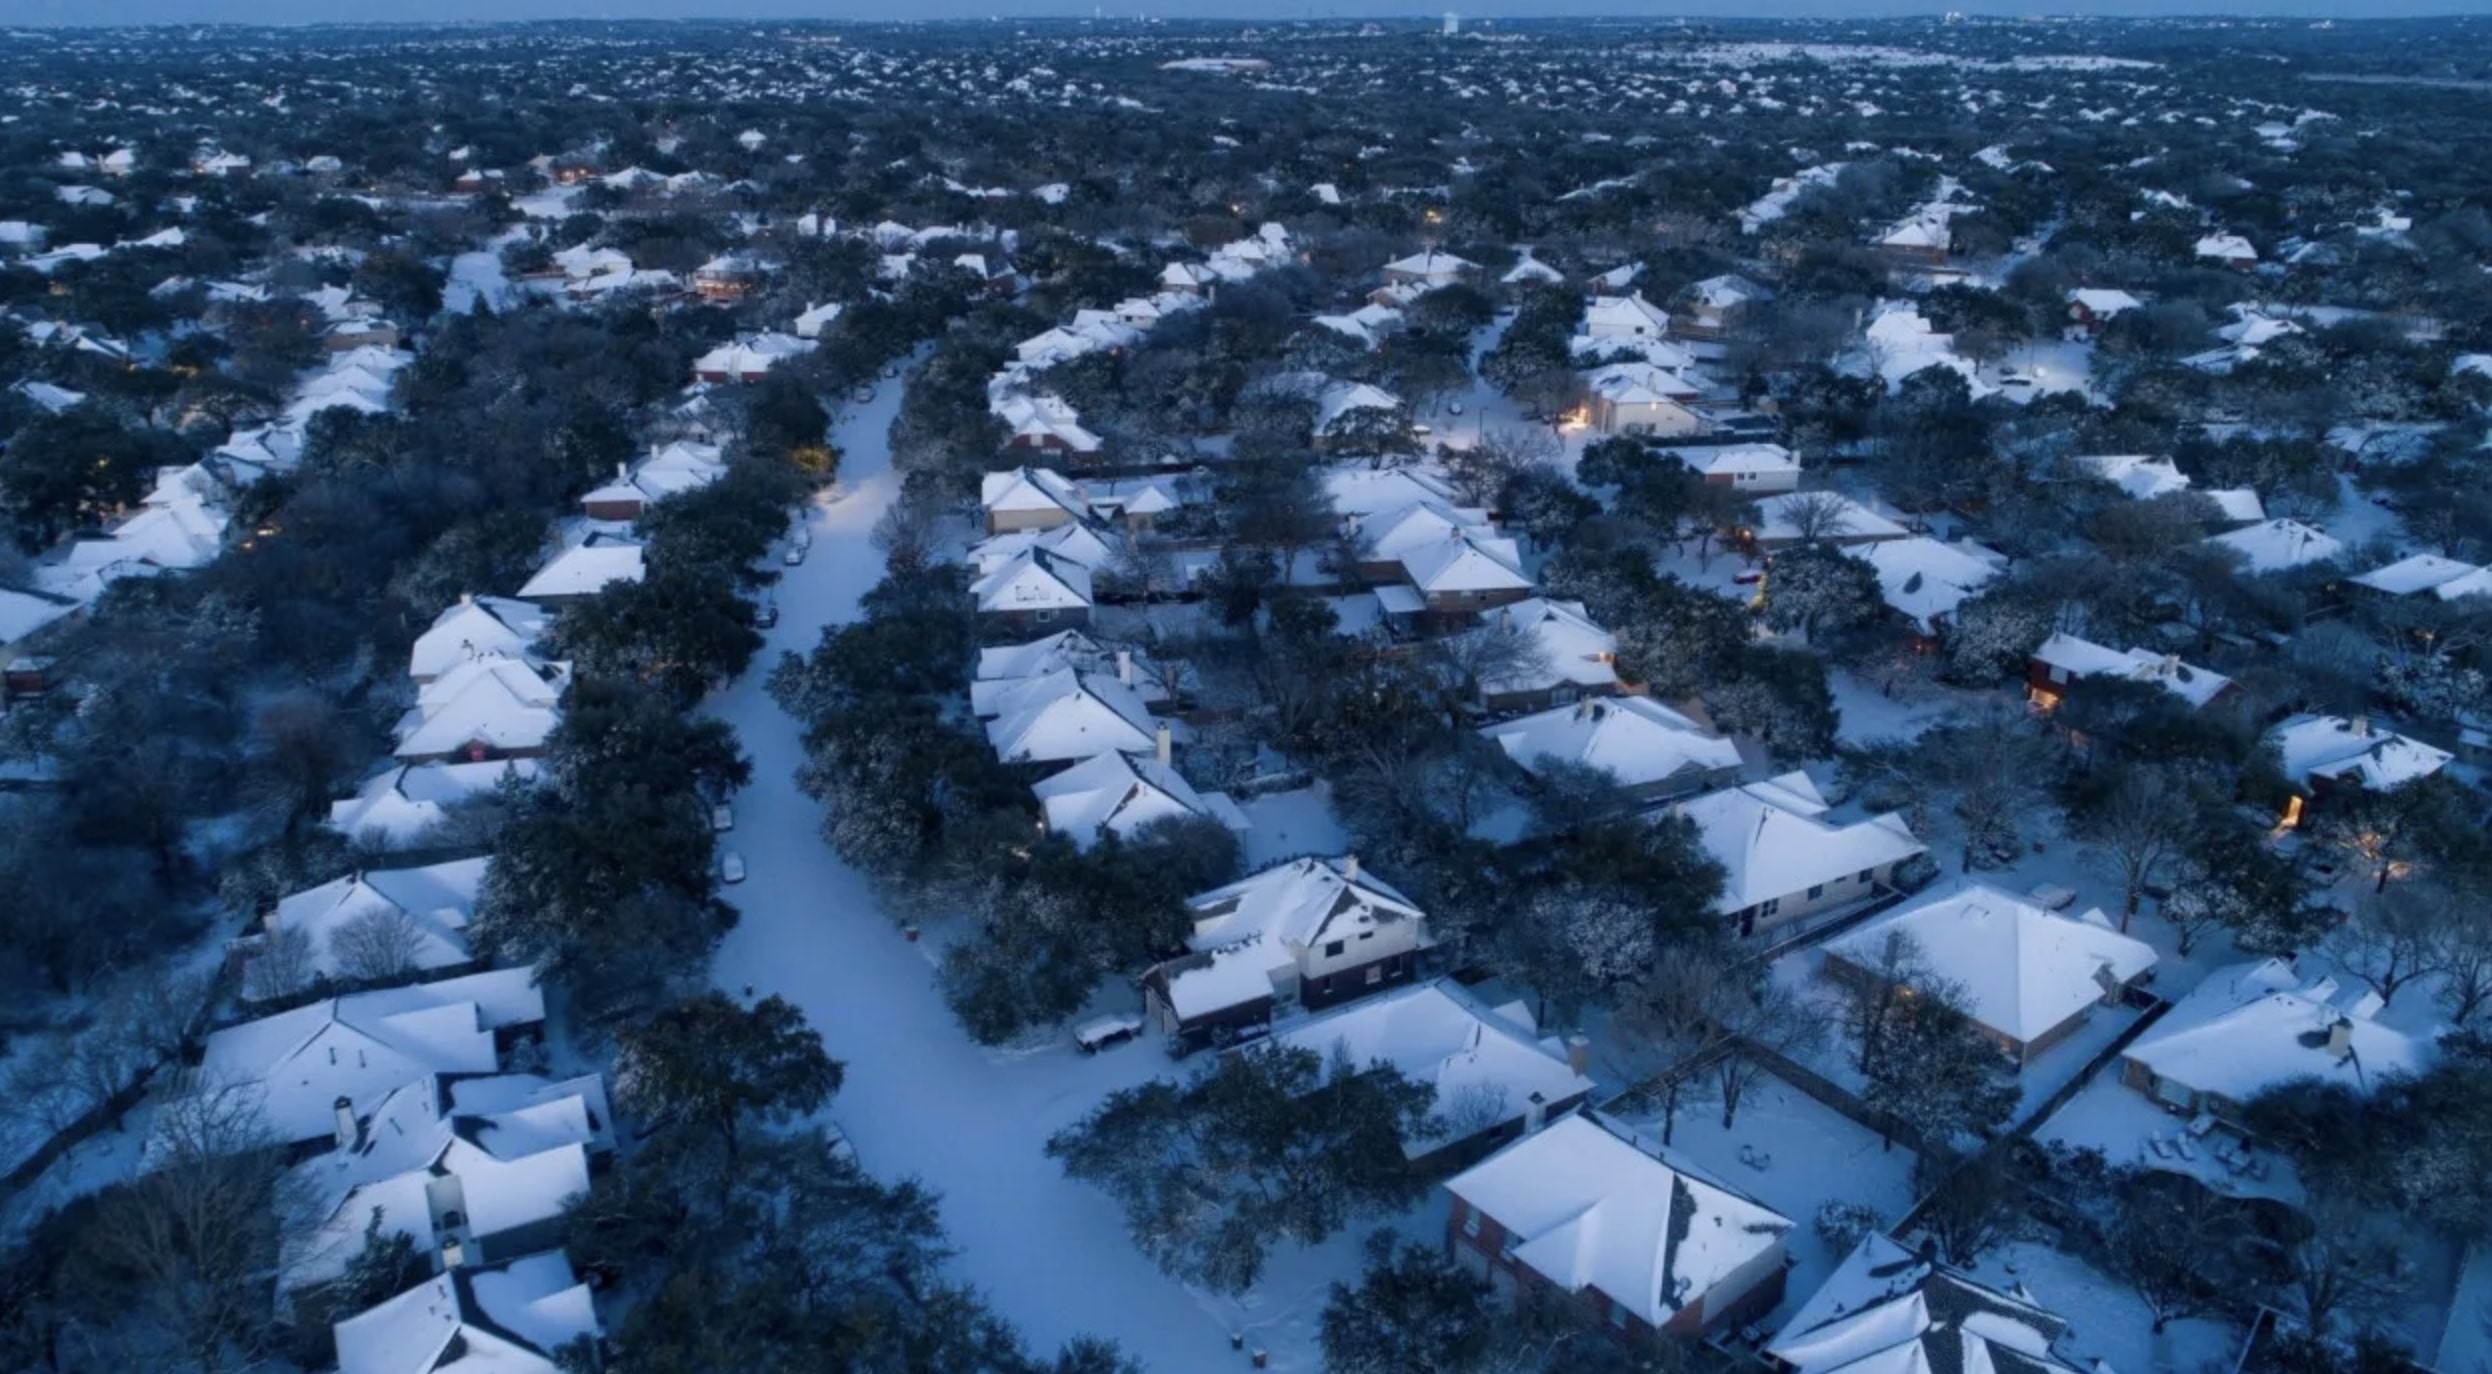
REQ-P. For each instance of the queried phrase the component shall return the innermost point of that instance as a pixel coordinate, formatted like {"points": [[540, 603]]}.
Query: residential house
{"points": [[1653, 752], [1924, 581], [2322, 755], [2145, 478], [1759, 468], [1309, 932], [1530, 271], [1920, 238], [1623, 318], [2446, 579], [2259, 1025], [2226, 250], [396, 809], [727, 277], [1431, 269], [477, 627], [1652, 1247], [385, 922], [485, 708], [1359, 489], [816, 318], [2280, 545], [1350, 415], [1046, 424], [1639, 398], [1496, 1077], [1825, 516], [677, 468], [1118, 794], [1885, 1310], [472, 1171], [1064, 716], [748, 359], [586, 568], [1571, 656], [2029, 978], [370, 331], [1718, 305], [1080, 544], [2090, 308], [1783, 860], [313, 1070], [1029, 499], [1035, 590], [511, 1319], [2063, 658], [23, 616]]}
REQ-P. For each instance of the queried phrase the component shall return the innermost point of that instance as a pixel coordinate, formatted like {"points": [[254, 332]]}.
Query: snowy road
{"points": [[920, 1098]]}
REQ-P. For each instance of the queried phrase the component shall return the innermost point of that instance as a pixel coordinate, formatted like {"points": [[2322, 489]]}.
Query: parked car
{"points": [[795, 555], [1102, 1032], [841, 1150], [722, 817], [731, 867], [766, 615], [863, 395]]}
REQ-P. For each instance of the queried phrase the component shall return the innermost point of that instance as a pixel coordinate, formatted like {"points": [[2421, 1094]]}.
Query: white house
{"points": [[471, 1170], [2259, 1025], [308, 1068], [1650, 749], [394, 809], [1623, 317], [1760, 468], [1651, 1244], [1035, 589], [507, 1320], [1065, 716], [1642, 398], [1924, 580], [2029, 978], [2446, 579], [1885, 1310], [1783, 860], [1571, 655], [2325, 754], [1309, 932], [1118, 794], [1430, 268], [385, 921], [476, 627], [2227, 250], [1029, 498], [484, 708], [2063, 658], [586, 568]]}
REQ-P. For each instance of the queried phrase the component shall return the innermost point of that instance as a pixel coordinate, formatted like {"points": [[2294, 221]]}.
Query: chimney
{"points": [[1125, 666], [2362, 726], [2109, 982], [349, 1132], [1349, 867], [1579, 1054], [622, 472], [1535, 1113], [2341, 1039], [1166, 745], [453, 1253], [467, 598]]}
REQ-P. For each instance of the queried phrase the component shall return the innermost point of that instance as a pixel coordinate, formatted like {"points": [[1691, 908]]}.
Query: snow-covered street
{"points": [[920, 1097]]}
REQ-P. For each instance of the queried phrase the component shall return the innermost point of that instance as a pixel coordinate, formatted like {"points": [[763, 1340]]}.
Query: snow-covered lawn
{"points": [[1288, 824], [476, 277], [1814, 1155], [921, 1099], [1894, 706], [2106, 1321], [2116, 1119]]}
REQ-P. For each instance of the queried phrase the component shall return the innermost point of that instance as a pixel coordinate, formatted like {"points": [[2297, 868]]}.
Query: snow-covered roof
{"points": [[1589, 1210], [1886, 1311], [436, 902], [2256, 1026], [509, 1319], [1573, 648], [1772, 840], [1726, 292], [2445, 578], [2023, 971], [2084, 658], [2136, 474], [398, 806], [1639, 384], [2355, 750], [1064, 716], [1296, 904], [1359, 489], [1339, 400], [1629, 316], [2103, 303], [23, 613], [1723, 460], [1852, 521], [1033, 580], [586, 569], [2226, 248], [498, 1170], [1485, 1068], [1118, 794], [1637, 739], [1078, 544], [473, 627], [1045, 419], [1031, 489], [1924, 579], [505, 703], [1431, 265], [363, 1046]]}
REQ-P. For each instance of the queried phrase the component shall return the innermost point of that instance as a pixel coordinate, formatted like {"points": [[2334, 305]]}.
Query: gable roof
{"points": [[2445, 578], [1592, 1211], [2258, 1025], [505, 1320], [1925, 580], [1484, 1067], [2280, 544], [1573, 648], [436, 901], [2022, 970], [1033, 580], [1118, 794], [1066, 715], [399, 804], [474, 626], [1298, 903], [2333, 747], [2084, 658], [1772, 840]]}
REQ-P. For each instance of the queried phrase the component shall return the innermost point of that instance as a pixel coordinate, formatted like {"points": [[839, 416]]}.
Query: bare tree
{"points": [[177, 1263], [1481, 472], [382, 943], [280, 968], [2135, 830], [1768, 1020], [2346, 1265], [1873, 996], [1497, 653], [1669, 1021], [1815, 517], [2466, 978], [2399, 936], [907, 532]]}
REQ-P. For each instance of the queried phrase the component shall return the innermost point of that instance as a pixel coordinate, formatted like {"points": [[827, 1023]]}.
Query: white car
{"points": [[731, 867], [1101, 1032], [795, 555], [722, 817]]}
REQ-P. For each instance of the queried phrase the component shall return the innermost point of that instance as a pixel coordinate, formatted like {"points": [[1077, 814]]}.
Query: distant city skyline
{"points": [[49, 13]]}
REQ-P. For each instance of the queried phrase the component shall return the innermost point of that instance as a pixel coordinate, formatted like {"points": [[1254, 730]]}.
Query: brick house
{"points": [[1311, 932]]}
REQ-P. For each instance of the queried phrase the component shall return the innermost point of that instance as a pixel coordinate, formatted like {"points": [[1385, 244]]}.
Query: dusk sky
{"points": [[49, 12]]}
